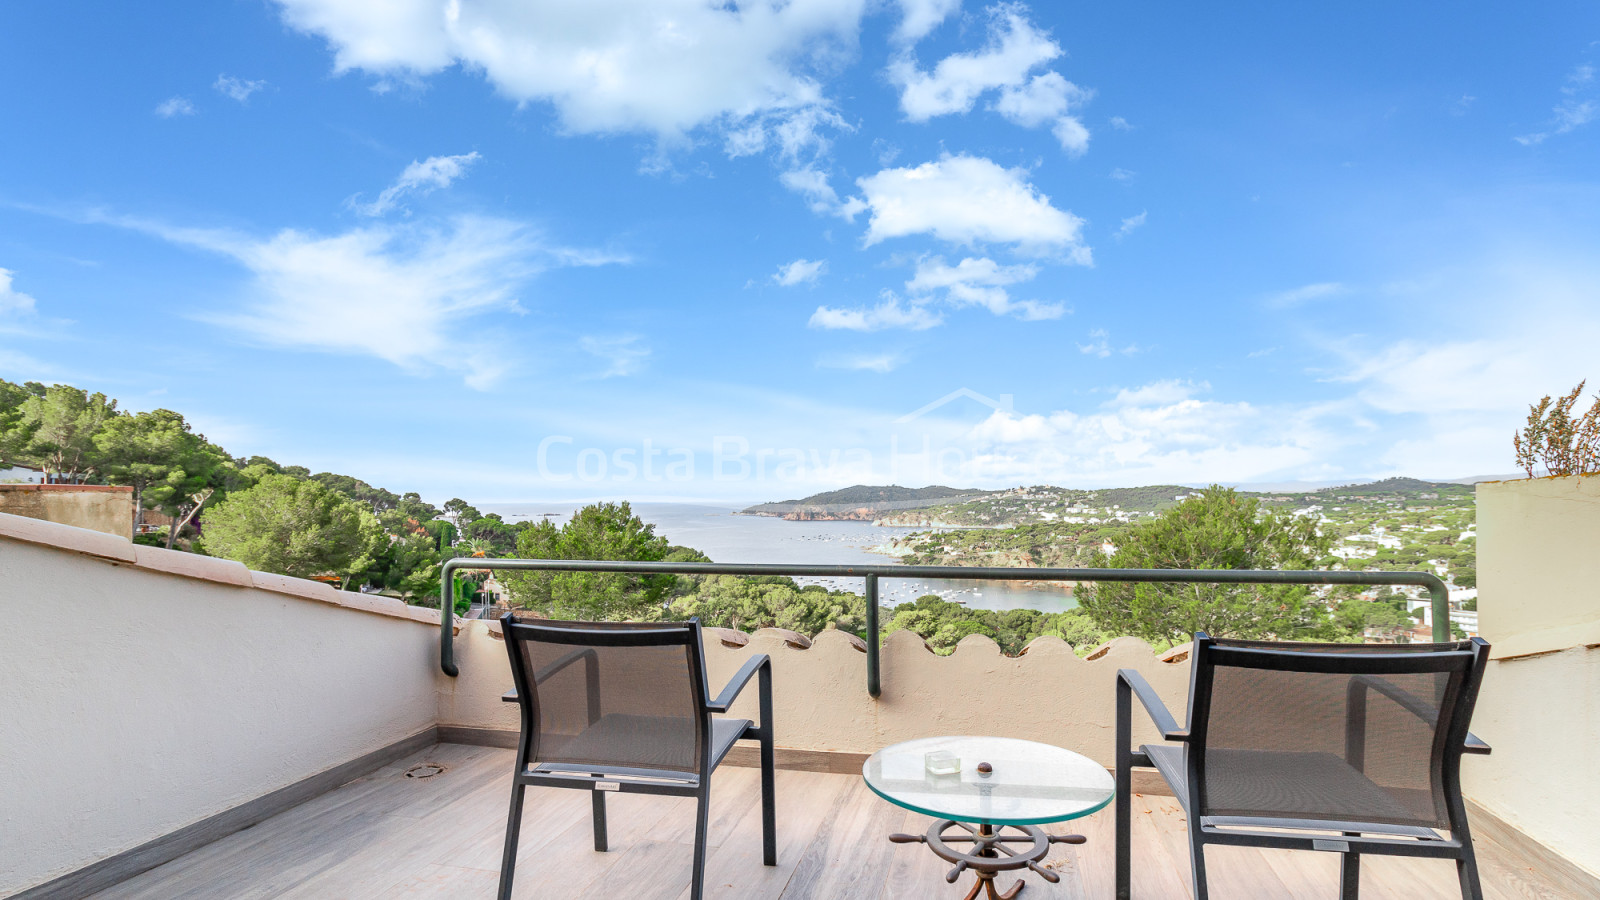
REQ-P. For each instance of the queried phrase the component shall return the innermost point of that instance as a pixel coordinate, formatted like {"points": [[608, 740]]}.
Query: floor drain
{"points": [[426, 770]]}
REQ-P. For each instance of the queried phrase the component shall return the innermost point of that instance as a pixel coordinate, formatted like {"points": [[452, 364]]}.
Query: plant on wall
{"points": [[1558, 441]]}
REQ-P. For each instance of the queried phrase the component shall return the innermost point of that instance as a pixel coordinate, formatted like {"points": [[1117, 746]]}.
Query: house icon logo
{"points": [[1004, 404]]}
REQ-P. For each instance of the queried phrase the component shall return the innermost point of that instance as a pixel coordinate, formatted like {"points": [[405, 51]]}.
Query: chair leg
{"points": [[1122, 847], [1467, 871], [508, 861], [702, 810], [1197, 863], [599, 809], [1349, 876], [769, 813]]}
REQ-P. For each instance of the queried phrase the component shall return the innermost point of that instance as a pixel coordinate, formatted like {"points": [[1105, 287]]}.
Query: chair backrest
{"points": [[1331, 732], [610, 694]]}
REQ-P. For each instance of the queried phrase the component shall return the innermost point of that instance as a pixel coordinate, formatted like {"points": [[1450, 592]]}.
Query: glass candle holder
{"points": [[942, 762]]}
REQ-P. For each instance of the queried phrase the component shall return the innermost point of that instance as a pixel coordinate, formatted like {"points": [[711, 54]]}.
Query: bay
{"points": [[726, 537]]}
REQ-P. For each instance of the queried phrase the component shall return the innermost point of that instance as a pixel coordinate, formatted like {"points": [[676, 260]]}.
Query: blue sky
{"points": [[510, 251]]}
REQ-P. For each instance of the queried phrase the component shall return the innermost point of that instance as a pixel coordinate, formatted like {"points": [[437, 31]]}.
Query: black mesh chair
{"points": [[623, 707], [1348, 748]]}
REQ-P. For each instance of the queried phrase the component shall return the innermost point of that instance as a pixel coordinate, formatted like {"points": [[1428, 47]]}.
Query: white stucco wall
{"points": [[820, 695], [1539, 708], [1539, 564], [136, 701]]}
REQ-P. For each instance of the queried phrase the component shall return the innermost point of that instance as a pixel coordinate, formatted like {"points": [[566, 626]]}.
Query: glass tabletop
{"points": [[1030, 783]]}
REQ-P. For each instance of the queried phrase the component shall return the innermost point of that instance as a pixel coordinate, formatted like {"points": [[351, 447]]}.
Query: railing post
{"points": [[447, 616], [1441, 611], [874, 686]]}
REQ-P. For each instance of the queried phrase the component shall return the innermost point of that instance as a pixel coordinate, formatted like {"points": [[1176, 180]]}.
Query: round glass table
{"points": [[988, 796]]}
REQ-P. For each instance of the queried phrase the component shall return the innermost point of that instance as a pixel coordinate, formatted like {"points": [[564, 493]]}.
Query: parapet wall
{"points": [[146, 690]]}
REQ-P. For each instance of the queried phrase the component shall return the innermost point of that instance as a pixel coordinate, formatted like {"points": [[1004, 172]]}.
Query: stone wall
{"points": [[102, 508]]}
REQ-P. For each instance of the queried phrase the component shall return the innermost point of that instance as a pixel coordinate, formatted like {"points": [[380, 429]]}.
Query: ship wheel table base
{"points": [[991, 851]]}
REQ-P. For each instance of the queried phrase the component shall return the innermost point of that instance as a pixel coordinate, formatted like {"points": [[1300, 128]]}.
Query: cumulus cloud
{"points": [[1048, 98], [813, 185], [1163, 432], [1014, 48], [175, 106], [661, 67], [419, 179], [980, 282], [400, 293], [954, 84], [1120, 124], [239, 89], [967, 200], [1130, 224], [623, 355], [918, 17], [12, 301], [801, 271], [889, 313]]}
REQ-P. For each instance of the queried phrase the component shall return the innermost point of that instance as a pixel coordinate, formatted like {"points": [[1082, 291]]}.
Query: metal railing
{"points": [[1437, 590]]}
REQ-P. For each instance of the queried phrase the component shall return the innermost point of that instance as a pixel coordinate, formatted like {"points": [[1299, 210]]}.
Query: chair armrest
{"points": [[1151, 701], [584, 653], [1474, 744], [509, 696], [760, 662]]}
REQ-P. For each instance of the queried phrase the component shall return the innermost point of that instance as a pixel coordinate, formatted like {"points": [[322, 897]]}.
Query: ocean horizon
{"points": [[720, 533]]}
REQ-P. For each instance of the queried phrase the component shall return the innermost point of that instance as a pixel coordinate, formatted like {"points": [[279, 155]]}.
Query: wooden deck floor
{"points": [[391, 836]]}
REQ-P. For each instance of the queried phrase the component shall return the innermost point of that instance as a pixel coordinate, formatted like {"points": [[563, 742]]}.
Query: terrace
{"points": [[181, 726]]}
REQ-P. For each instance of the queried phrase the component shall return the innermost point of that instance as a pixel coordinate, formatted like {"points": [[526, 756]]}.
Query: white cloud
{"points": [[882, 362], [1130, 224], [980, 282], [175, 106], [1306, 293], [801, 271], [1120, 124], [1120, 174], [1048, 98], [239, 89], [967, 200], [420, 178], [401, 293], [1163, 432], [813, 185], [1014, 49], [13, 301], [889, 313], [624, 355], [1099, 344], [918, 17], [662, 67], [1572, 113]]}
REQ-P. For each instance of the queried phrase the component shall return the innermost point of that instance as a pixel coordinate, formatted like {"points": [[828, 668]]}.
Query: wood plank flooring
{"points": [[387, 835]]}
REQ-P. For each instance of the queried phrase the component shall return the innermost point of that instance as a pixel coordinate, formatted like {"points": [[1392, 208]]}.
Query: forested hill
{"points": [[862, 501]]}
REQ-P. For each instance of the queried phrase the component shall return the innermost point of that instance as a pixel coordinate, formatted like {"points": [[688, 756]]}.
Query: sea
{"points": [[724, 536]]}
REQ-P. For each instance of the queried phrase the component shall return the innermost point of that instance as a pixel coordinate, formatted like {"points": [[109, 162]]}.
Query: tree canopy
{"points": [[1214, 529], [601, 531], [293, 526]]}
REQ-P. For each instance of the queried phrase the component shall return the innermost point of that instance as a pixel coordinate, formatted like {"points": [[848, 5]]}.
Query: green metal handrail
{"points": [[1437, 590]]}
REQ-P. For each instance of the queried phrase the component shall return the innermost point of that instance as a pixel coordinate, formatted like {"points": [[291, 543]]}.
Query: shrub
{"points": [[1558, 442]]}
